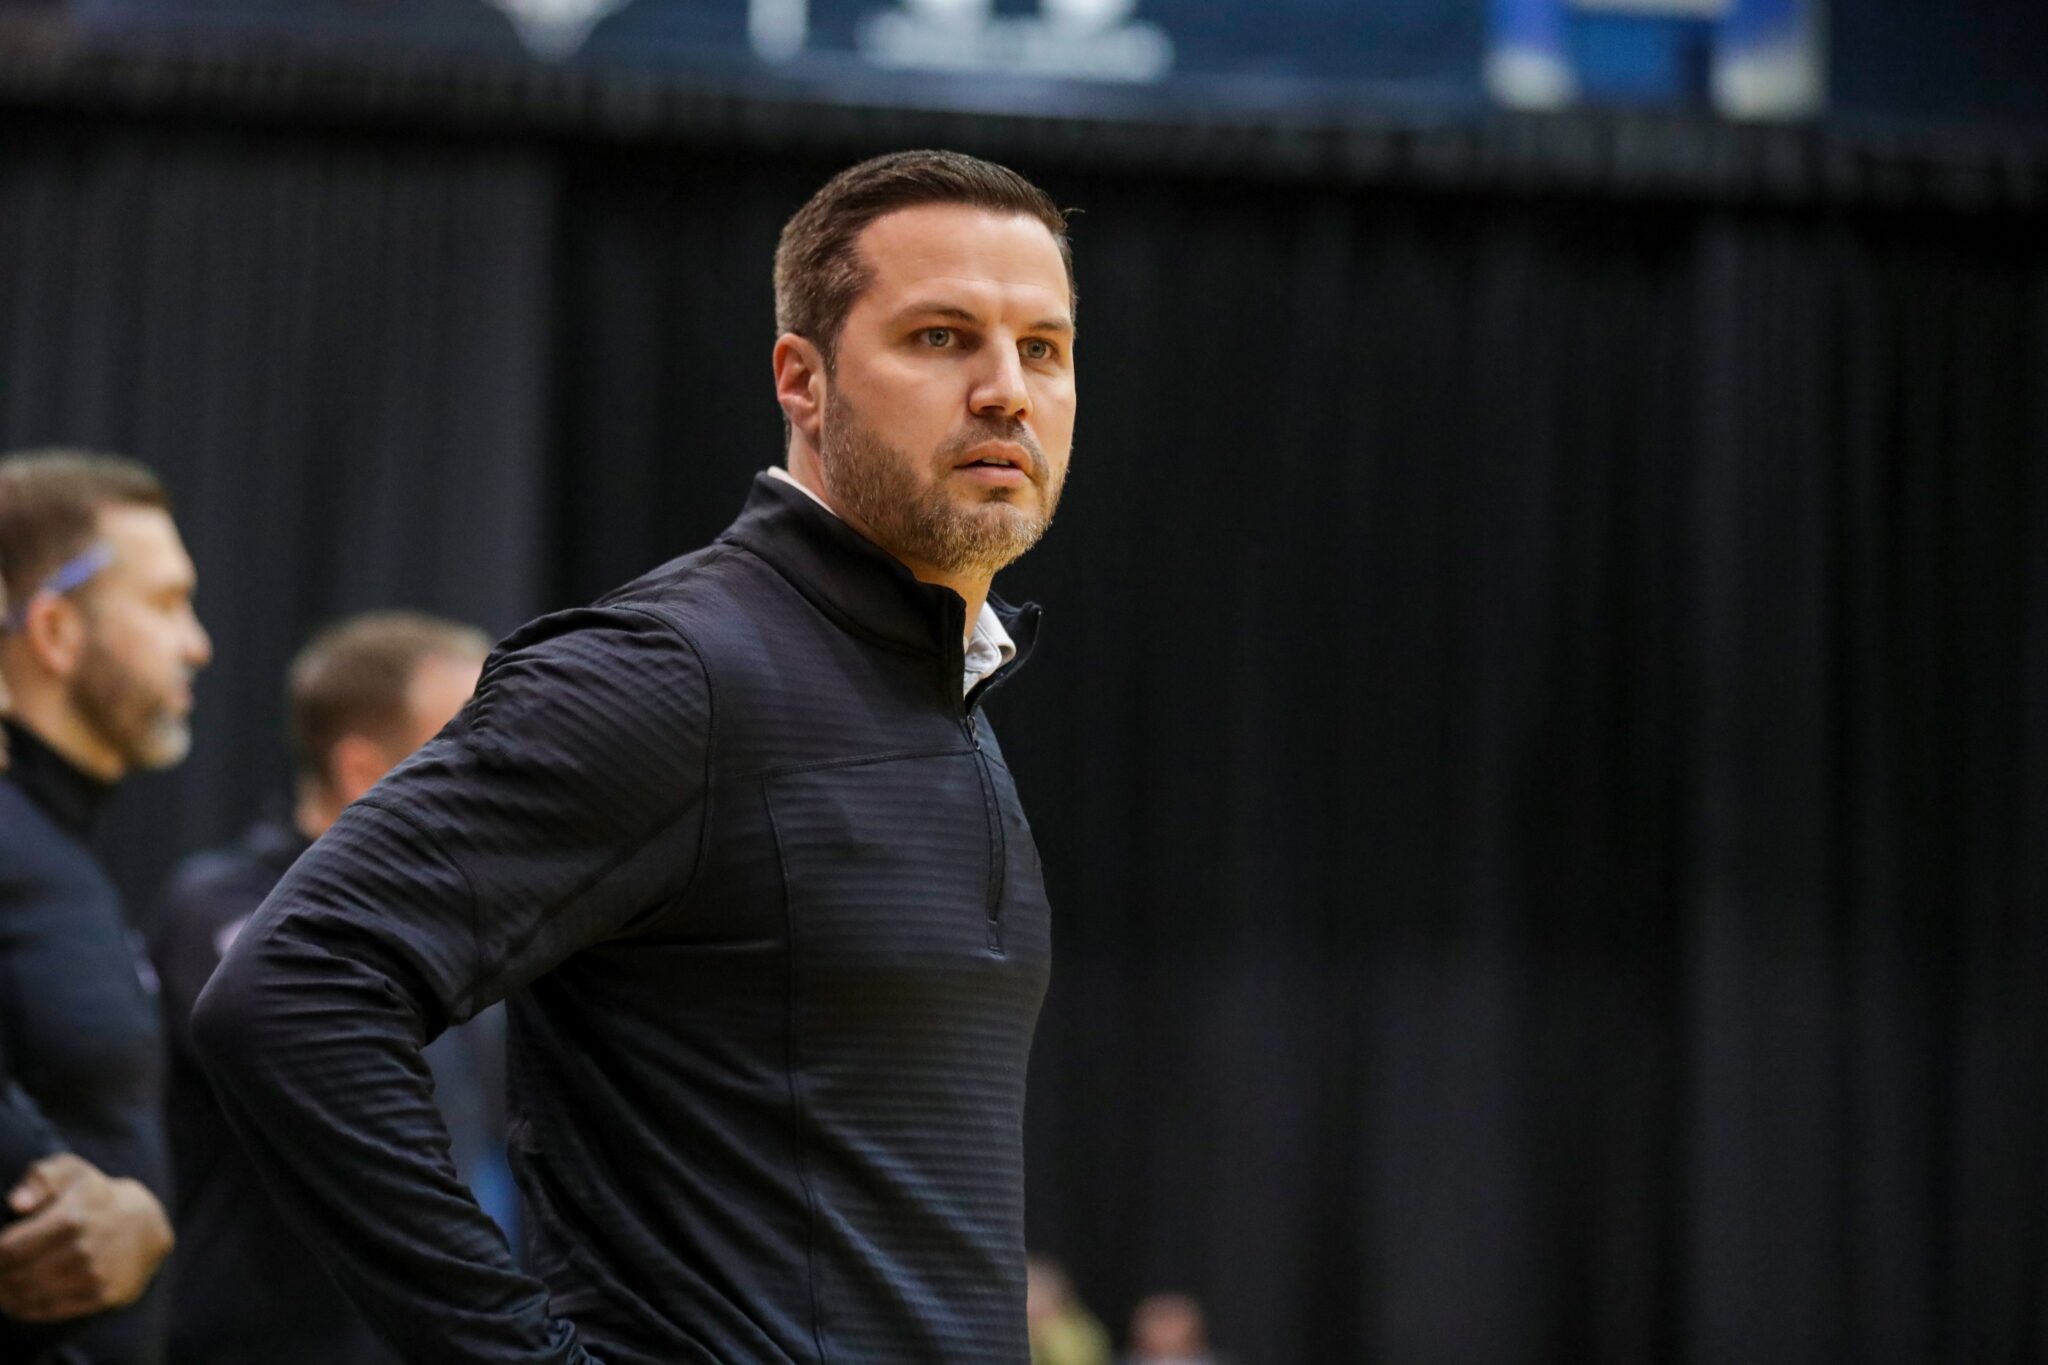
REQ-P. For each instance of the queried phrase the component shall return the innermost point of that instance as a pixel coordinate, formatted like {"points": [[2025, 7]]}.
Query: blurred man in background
{"points": [[742, 849], [363, 695], [1169, 1329], [99, 654]]}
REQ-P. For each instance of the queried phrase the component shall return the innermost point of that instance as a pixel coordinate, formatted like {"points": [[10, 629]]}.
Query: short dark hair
{"points": [[818, 269], [355, 678], [50, 501]]}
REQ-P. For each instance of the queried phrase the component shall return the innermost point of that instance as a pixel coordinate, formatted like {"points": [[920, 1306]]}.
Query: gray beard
{"points": [[127, 717], [873, 483]]}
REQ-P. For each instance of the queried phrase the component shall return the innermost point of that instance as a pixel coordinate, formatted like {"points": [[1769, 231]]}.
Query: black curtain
{"points": [[1541, 734], [335, 353]]}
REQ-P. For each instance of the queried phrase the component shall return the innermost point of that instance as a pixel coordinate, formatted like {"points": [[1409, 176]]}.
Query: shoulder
{"points": [[706, 576], [614, 660], [606, 703], [41, 864], [19, 817], [658, 615], [649, 642], [718, 598]]}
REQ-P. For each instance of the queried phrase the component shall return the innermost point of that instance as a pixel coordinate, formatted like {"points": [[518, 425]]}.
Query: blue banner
{"points": [[1253, 49]]}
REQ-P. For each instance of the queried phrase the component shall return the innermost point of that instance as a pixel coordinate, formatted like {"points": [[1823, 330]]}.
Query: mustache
{"points": [[982, 430]]}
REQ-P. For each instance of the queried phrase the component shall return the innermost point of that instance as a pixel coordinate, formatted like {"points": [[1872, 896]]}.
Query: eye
{"points": [[937, 337], [1038, 348]]}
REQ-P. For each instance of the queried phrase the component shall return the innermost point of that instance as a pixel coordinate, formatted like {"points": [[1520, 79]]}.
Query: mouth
{"points": [[1003, 463]]}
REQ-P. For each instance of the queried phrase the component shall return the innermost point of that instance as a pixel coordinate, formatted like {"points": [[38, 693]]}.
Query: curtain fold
{"points": [[336, 354]]}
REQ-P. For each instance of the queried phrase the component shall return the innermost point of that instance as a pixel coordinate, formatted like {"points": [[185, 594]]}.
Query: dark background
{"points": [[1966, 60], [1886, 61], [1540, 741]]}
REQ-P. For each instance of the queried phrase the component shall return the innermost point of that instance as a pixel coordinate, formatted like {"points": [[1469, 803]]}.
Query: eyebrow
{"points": [[934, 309], [178, 580]]}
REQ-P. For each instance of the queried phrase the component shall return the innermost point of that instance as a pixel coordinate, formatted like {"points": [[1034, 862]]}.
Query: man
{"points": [[741, 849], [99, 653], [1170, 1329], [363, 695]]}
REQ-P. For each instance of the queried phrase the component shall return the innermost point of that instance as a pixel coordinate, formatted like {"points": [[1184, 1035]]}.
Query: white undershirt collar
{"points": [[989, 646]]}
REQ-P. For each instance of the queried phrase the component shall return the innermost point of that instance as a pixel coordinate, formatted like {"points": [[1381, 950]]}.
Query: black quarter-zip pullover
{"points": [[757, 885], [81, 1053]]}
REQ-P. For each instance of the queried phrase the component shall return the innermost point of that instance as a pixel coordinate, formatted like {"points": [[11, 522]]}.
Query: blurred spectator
{"points": [[1168, 1329], [99, 651], [363, 695], [1063, 1331]]}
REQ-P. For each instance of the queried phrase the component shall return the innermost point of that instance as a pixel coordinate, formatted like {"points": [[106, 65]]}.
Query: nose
{"points": [[999, 391], [199, 650]]}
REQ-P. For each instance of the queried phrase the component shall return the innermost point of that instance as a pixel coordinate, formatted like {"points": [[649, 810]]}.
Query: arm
{"points": [[76, 1241], [25, 1135], [563, 805], [206, 902]]}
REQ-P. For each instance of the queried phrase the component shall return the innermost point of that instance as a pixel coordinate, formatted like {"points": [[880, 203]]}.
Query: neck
{"points": [[971, 588], [50, 718]]}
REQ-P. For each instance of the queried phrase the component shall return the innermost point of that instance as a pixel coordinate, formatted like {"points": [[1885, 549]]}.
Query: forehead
{"points": [[146, 545], [962, 254]]}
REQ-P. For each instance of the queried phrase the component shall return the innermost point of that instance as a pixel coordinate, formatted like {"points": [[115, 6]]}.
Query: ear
{"points": [[800, 385], [54, 632], [356, 762]]}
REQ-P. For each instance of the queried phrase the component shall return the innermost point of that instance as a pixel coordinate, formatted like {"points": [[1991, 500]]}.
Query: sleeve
{"points": [[26, 1136], [562, 807]]}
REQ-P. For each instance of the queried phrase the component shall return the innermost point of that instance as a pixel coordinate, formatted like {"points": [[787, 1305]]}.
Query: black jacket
{"points": [[758, 885], [81, 1064]]}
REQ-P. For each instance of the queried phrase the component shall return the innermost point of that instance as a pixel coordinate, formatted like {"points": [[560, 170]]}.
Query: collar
{"points": [[861, 586], [989, 645], [70, 796]]}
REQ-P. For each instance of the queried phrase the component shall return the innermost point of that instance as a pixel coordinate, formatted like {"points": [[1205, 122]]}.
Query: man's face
{"points": [[143, 642], [441, 685], [949, 413]]}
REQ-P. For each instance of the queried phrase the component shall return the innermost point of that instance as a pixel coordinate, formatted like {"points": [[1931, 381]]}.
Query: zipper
{"points": [[955, 622], [998, 839]]}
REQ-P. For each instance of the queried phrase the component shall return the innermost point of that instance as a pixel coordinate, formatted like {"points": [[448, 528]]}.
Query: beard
{"points": [[877, 485], [133, 719]]}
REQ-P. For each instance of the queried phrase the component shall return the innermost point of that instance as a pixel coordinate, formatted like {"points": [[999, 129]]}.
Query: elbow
{"points": [[227, 1019]]}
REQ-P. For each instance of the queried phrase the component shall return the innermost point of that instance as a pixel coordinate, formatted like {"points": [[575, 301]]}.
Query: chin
{"points": [[1001, 504], [166, 746]]}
